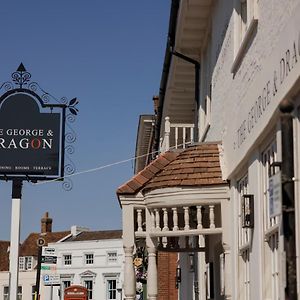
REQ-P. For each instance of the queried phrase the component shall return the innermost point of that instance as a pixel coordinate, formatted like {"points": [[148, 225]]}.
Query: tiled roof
{"points": [[95, 235], [139, 180], [29, 246], [195, 166], [4, 255]]}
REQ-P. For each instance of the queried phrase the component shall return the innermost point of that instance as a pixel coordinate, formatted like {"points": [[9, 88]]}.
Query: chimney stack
{"points": [[155, 103], [46, 223]]}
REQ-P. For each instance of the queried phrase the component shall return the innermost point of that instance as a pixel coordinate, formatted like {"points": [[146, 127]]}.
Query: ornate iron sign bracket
{"points": [[22, 137]]}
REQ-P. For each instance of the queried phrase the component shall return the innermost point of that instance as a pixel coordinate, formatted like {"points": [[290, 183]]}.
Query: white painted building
{"points": [[231, 78], [93, 259]]}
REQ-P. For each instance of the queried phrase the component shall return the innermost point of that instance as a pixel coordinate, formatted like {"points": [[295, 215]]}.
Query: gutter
{"points": [[166, 69]]}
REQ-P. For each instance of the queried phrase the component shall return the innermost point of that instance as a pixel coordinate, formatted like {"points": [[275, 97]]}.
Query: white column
{"points": [[129, 278], [128, 243], [152, 274], [15, 239], [152, 289]]}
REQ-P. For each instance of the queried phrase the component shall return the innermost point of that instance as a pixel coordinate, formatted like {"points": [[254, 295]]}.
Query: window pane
{"points": [[67, 259], [89, 285], [32, 292], [111, 289], [112, 257], [89, 259], [5, 293]]}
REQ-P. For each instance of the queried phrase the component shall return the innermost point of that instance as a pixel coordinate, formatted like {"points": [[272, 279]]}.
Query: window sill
{"points": [[241, 53]]}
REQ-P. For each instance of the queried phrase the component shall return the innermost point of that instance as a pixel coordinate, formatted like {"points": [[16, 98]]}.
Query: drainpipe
{"points": [[288, 198]]}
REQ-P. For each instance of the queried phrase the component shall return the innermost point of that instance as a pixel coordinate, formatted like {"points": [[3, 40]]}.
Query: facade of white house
{"points": [[230, 77], [93, 259]]}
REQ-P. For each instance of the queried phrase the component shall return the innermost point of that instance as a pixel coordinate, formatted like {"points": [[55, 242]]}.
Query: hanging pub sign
{"points": [[32, 132]]}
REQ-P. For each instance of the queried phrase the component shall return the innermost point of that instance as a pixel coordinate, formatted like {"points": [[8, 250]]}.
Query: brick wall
{"points": [[167, 263]]}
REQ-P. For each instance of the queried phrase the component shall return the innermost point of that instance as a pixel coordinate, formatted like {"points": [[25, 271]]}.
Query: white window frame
{"points": [[271, 225], [90, 290], [67, 259], [20, 292], [112, 259], [5, 292], [244, 241], [22, 263], [65, 278], [26, 263], [89, 258], [33, 292], [243, 29], [108, 290]]}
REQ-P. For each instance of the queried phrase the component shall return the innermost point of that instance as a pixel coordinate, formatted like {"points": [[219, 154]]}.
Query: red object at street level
{"points": [[75, 292]]}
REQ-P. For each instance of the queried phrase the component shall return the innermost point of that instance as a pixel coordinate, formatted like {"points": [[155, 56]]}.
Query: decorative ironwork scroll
{"points": [[31, 149]]}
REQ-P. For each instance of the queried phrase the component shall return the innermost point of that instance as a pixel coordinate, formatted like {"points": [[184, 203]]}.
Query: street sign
{"points": [[49, 251], [275, 195], [49, 259], [51, 279], [40, 242]]}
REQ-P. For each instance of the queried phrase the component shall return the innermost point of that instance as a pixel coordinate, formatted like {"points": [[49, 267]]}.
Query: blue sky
{"points": [[109, 54]]}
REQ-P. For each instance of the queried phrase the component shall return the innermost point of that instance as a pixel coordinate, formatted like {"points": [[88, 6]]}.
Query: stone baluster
{"points": [[200, 225], [161, 140], [186, 218], [199, 217], [165, 228], [152, 221], [139, 220], [192, 134], [165, 218], [212, 216], [175, 219], [157, 221]]}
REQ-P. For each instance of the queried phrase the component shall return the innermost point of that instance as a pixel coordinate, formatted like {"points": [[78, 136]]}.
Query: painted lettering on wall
{"points": [[286, 64]]}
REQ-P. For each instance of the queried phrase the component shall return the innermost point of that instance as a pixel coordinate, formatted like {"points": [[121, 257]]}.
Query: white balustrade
{"points": [[176, 135], [180, 221], [199, 217], [157, 219], [186, 218], [212, 216], [175, 219], [139, 220]]}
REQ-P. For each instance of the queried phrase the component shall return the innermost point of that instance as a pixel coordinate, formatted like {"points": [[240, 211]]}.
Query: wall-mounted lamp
{"points": [[178, 277], [247, 211]]}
